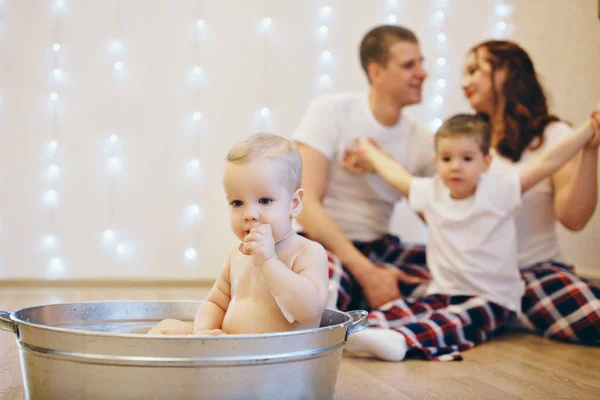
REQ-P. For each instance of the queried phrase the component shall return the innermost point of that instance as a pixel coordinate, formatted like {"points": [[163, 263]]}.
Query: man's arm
{"points": [[317, 223], [379, 285]]}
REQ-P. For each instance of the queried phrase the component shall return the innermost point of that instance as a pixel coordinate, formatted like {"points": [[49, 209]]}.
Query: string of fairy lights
{"points": [[52, 173], [113, 237]]}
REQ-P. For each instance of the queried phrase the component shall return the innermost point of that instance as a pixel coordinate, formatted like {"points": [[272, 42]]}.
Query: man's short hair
{"points": [[375, 46]]}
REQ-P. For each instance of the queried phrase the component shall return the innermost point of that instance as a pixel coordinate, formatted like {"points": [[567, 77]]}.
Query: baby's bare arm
{"points": [[211, 313], [301, 291]]}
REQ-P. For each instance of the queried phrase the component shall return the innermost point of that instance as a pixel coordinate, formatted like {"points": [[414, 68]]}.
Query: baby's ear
{"points": [[297, 202]]}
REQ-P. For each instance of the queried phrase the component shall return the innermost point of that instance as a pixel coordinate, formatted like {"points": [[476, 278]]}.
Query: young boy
{"points": [[472, 249], [275, 280]]}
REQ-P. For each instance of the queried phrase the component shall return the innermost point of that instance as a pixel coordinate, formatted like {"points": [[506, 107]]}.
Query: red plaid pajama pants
{"points": [[557, 303]]}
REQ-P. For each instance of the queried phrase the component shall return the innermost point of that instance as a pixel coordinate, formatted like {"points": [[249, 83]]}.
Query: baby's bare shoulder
{"points": [[312, 246], [310, 250]]}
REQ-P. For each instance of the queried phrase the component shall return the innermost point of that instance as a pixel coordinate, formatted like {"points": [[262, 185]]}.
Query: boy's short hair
{"points": [[474, 126], [375, 45], [265, 145]]}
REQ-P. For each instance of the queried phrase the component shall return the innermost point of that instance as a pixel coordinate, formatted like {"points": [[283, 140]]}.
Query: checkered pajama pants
{"points": [[557, 303]]}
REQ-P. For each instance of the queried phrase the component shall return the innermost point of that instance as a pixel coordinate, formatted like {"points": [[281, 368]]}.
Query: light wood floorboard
{"points": [[515, 366]]}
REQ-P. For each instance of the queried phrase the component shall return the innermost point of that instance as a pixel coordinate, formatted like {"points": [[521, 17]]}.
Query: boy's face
{"points": [[258, 193], [460, 162]]}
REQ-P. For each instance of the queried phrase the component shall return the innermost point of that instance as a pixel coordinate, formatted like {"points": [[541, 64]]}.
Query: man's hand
{"points": [[380, 284], [259, 244]]}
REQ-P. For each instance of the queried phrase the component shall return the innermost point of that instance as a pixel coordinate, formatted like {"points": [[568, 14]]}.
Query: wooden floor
{"points": [[517, 366]]}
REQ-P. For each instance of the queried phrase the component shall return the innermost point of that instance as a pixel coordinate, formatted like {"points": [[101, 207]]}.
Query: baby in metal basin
{"points": [[275, 280]]}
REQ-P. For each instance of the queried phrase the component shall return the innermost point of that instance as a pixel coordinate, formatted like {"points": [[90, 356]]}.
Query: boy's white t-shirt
{"points": [[472, 246], [362, 204], [537, 240]]}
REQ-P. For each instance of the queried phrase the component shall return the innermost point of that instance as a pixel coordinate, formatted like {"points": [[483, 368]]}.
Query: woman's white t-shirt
{"points": [[535, 221]]}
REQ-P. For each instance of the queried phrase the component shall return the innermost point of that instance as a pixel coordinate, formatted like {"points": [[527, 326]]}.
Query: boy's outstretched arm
{"points": [[388, 168], [211, 313], [558, 154]]}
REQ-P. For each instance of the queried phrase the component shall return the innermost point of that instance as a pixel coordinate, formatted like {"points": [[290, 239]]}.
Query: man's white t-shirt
{"points": [[472, 247], [362, 204], [537, 240]]}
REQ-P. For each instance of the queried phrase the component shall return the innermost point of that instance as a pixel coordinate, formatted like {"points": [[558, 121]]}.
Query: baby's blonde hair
{"points": [[265, 145]]}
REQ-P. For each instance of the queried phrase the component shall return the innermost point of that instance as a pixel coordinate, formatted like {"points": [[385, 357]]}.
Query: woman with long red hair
{"points": [[500, 82]]}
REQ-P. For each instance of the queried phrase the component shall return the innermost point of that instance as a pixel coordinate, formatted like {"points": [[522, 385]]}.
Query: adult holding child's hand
{"points": [[500, 82]]}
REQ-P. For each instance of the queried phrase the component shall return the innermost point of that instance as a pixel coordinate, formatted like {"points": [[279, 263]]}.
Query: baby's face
{"points": [[460, 163], [257, 193]]}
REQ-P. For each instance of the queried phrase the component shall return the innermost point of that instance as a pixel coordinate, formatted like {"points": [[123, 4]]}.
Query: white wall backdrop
{"points": [[115, 115]]}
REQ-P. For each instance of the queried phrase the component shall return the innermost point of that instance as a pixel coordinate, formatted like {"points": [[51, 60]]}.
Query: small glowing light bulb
{"points": [[108, 235], [325, 79], [190, 254], [53, 170], [122, 249], [51, 197], [114, 163]]}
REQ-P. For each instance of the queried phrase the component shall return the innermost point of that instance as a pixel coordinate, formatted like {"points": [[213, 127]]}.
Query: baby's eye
{"points": [[264, 200], [445, 159], [237, 203], [468, 159]]}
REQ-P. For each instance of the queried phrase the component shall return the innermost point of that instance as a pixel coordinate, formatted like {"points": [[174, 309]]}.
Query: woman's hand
{"points": [[595, 122]]}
